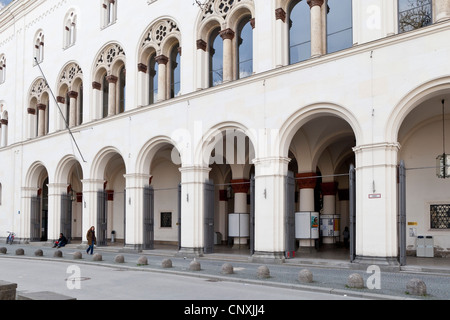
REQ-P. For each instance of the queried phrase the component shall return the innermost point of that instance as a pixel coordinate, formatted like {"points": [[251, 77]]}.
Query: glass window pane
{"points": [[339, 25], [216, 59], [414, 14], [246, 51], [299, 33], [175, 75], [153, 79]]}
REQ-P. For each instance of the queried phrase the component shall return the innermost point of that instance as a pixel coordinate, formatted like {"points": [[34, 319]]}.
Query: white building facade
{"points": [[123, 114]]}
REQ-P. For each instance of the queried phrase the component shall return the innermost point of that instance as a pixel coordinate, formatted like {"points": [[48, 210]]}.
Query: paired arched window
{"points": [[38, 109], [110, 82], [70, 97], [70, 29], [225, 46], [39, 47], [109, 12], [159, 66]]}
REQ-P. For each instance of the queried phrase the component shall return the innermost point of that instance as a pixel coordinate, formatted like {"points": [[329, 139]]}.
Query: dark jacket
{"points": [[91, 237]]}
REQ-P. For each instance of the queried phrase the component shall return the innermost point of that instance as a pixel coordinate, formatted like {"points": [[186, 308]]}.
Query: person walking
{"points": [[91, 240]]}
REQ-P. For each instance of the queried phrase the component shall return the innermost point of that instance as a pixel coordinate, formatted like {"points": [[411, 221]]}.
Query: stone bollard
{"points": [[263, 272], [38, 253], [166, 263], [3, 250], [416, 287], [305, 276], [227, 269], [77, 255], [194, 266], [97, 257], [119, 259], [142, 261], [58, 254], [355, 280], [20, 252]]}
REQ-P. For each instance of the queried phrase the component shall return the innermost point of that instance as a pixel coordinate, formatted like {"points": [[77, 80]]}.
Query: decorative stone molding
{"points": [[162, 59], [96, 85], [202, 45], [112, 79], [41, 106], [142, 68]]}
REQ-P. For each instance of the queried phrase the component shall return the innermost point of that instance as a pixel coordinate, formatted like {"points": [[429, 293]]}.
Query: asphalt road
{"points": [[90, 282]]}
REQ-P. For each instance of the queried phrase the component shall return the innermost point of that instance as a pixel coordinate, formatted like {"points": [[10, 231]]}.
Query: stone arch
{"points": [[307, 113], [412, 99]]}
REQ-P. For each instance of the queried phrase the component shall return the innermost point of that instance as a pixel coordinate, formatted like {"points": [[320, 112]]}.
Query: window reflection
{"points": [[175, 72], [339, 25], [414, 14], [215, 58], [153, 79], [245, 48], [299, 32]]}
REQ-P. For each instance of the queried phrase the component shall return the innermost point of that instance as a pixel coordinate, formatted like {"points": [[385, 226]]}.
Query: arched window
{"points": [[245, 48], [70, 29], [215, 58], [299, 32], [153, 79], [339, 25], [39, 47], [109, 12], [174, 68], [414, 14]]}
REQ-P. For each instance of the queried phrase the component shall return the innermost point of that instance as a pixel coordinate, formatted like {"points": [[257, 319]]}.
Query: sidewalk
{"points": [[329, 275]]}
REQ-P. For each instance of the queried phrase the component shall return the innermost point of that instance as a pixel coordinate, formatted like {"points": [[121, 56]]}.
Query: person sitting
{"points": [[61, 242]]}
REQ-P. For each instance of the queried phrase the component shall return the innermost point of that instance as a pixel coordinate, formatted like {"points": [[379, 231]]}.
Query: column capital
{"points": [[73, 94], [41, 106], [329, 188], [240, 185], [280, 14], [313, 3], [60, 99], [306, 180], [142, 68], [112, 79], [96, 85], [162, 59], [201, 44], [227, 34]]}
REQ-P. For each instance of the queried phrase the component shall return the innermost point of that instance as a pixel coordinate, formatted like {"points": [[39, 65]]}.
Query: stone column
{"points": [[135, 184], [282, 58], [329, 190], [192, 210], [73, 95], [270, 236], [202, 60], [55, 190], [376, 216], [240, 190], [90, 190], [306, 183], [316, 28], [41, 125], [442, 9], [228, 62], [143, 92], [112, 82], [31, 112], [60, 124], [162, 77], [97, 92]]}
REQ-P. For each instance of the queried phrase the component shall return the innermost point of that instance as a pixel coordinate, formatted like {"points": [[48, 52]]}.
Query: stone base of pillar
{"points": [[132, 248], [268, 257], [190, 252], [385, 263]]}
